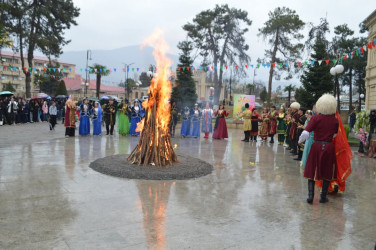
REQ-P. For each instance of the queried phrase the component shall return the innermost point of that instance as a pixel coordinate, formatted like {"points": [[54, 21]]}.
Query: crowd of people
{"points": [[17, 110], [317, 136]]}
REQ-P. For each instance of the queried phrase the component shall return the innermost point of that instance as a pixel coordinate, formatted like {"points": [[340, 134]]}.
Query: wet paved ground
{"points": [[254, 199]]}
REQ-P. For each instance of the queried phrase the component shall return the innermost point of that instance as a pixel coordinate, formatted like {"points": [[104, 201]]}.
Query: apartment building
{"points": [[10, 71]]}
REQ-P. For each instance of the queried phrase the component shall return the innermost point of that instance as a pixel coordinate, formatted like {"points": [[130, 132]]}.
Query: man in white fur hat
{"points": [[321, 162], [295, 106]]}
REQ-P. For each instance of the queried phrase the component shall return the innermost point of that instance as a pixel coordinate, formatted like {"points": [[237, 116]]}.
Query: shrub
{"points": [[347, 129]]}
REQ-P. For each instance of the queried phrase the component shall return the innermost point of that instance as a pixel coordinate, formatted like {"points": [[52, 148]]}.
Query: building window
{"points": [[4, 59], [142, 94], [136, 95], [15, 61], [4, 77], [38, 64]]}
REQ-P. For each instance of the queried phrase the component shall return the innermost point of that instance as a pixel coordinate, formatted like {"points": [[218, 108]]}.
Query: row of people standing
{"points": [[268, 124], [192, 119], [127, 117], [21, 111]]}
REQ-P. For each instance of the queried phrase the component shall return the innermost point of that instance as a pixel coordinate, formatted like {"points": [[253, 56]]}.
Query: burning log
{"points": [[154, 146]]}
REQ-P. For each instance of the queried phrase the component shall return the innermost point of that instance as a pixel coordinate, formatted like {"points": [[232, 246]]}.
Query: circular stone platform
{"points": [[186, 168]]}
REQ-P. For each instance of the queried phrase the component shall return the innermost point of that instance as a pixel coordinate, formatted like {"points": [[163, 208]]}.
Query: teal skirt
{"points": [[307, 148]]}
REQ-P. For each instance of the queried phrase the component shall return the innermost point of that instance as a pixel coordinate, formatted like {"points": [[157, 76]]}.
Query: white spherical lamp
{"points": [[339, 69], [333, 71], [361, 96]]}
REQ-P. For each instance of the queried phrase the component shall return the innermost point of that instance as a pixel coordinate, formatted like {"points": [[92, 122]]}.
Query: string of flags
{"points": [[357, 52]]}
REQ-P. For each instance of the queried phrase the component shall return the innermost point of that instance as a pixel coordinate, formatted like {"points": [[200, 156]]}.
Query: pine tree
{"points": [[61, 89], [282, 31], [185, 91], [316, 80]]}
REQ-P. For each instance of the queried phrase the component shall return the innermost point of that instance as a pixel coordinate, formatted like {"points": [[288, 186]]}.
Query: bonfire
{"points": [[154, 147]]}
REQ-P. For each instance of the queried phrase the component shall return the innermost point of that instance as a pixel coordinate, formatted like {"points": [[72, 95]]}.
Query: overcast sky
{"points": [[118, 23]]}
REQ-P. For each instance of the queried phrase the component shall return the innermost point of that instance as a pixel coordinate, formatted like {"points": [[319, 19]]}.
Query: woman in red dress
{"points": [[272, 125], [321, 162], [220, 128]]}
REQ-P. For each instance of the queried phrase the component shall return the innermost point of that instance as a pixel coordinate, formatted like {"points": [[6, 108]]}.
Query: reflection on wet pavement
{"points": [[254, 199]]}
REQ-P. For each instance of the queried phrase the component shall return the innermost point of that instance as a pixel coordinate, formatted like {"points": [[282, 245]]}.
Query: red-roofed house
{"points": [[75, 86]]}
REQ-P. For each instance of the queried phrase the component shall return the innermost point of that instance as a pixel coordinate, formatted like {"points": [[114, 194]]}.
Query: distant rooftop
{"points": [[75, 84], [38, 58]]}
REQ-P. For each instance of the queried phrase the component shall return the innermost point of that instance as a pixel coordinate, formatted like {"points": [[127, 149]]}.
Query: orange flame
{"points": [[140, 126], [160, 88]]}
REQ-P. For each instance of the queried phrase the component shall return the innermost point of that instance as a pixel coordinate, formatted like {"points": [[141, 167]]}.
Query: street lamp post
{"points": [[86, 84], [335, 71], [126, 68], [360, 102], [361, 146]]}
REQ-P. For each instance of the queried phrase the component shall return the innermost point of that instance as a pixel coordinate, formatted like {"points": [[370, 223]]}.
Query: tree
{"points": [[342, 43], [9, 87], [130, 85], [185, 91], [5, 41], [121, 84], [360, 64], [61, 89], [99, 71], [144, 79], [38, 25], [219, 34], [48, 81], [278, 91], [264, 95], [283, 26], [289, 89], [316, 79], [251, 88]]}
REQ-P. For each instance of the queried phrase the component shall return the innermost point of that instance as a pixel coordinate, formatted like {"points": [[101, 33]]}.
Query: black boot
{"points": [[300, 155], [324, 191], [311, 191], [255, 137], [272, 139], [246, 136]]}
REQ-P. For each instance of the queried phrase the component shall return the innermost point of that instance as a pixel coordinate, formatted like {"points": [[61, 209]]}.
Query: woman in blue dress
{"points": [[207, 114], [85, 110], [309, 141], [97, 119], [196, 116], [137, 115], [186, 123]]}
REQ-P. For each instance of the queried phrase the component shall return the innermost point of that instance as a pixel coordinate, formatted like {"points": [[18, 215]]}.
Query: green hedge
{"points": [[347, 129]]}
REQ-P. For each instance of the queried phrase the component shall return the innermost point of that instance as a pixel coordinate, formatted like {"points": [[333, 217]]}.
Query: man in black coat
{"points": [[110, 116]]}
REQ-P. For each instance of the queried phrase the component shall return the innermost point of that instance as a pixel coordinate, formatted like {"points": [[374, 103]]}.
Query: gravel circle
{"points": [[186, 168]]}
